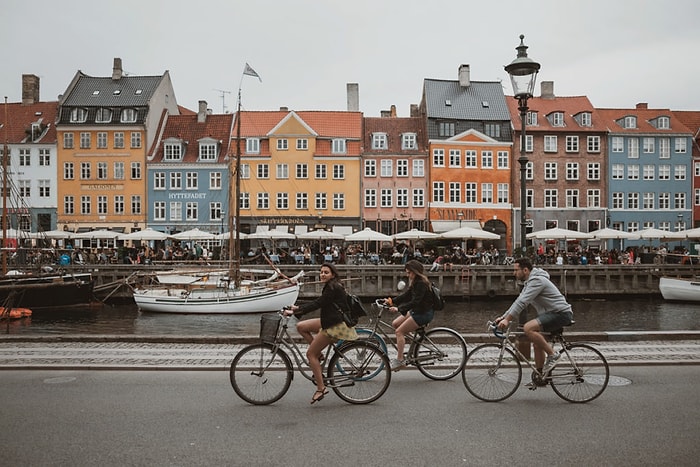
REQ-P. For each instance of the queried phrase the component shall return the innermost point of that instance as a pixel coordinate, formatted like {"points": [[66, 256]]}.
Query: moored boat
{"points": [[47, 292], [680, 289]]}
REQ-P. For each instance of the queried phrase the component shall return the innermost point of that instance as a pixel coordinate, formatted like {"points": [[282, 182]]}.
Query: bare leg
{"points": [[309, 327], [533, 333], [406, 325], [315, 349]]}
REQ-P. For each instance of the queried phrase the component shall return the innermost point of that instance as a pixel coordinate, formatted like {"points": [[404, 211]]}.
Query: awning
{"points": [[342, 229], [444, 226]]}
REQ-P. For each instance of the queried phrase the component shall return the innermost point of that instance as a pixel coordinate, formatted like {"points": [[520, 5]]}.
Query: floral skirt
{"points": [[340, 332]]}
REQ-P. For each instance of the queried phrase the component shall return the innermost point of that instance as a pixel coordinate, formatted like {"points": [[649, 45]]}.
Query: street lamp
{"points": [[523, 74]]}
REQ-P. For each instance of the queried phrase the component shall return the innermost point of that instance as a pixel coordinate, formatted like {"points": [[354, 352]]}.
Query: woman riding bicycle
{"points": [[415, 305], [321, 332]]}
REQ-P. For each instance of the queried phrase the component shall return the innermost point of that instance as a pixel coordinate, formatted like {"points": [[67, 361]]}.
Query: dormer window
{"points": [[103, 115], [531, 119], [78, 115], [207, 150], [173, 150], [630, 122], [557, 119], [339, 146], [408, 141], [252, 145], [379, 141], [128, 116], [663, 123], [585, 119]]}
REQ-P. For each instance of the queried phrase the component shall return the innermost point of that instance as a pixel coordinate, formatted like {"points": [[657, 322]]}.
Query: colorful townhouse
{"points": [[105, 128], [188, 172], [28, 133], [691, 119], [300, 170], [395, 174], [649, 174], [565, 143], [463, 116]]}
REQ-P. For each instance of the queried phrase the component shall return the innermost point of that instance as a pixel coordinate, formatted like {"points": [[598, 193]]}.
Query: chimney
{"points": [[547, 90], [353, 91], [30, 89], [642, 106], [385, 113], [202, 113], [284, 108], [463, 75], [117, 71], [414, 111], [393, 110]]}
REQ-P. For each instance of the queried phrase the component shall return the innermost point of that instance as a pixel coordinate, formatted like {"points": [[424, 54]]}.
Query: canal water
{"points": [[637, 314]]}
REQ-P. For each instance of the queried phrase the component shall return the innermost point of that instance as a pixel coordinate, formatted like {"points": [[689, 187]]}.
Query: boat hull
{"points": [[47, 293], [687, 290], [216, 300]]}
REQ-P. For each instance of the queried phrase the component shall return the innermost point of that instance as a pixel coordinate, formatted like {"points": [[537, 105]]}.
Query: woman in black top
{"points": [[415, 305], [319, 333]]}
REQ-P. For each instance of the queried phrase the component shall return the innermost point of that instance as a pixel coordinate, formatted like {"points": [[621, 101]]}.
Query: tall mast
{"points": [[236, 241], [5, 184]]}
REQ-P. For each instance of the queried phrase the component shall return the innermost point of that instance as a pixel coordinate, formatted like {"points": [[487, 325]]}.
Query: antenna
{"points": [[223, 93]]}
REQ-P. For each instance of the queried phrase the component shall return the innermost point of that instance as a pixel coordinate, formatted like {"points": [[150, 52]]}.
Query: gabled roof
{"points": [[20, 118], [128, 91], [644, 116], [691, 119], [570, 106], [326, 124], [481, 100], [394, 127], [187, 129]]}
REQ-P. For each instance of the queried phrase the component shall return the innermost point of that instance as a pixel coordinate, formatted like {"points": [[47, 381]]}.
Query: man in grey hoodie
{"points": [[553, 311]]}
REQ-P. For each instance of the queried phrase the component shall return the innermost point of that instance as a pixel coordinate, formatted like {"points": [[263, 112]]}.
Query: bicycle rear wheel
{"points": [[492, 373], [440, 353], [581, 374], [359, 372], [260, 375]]}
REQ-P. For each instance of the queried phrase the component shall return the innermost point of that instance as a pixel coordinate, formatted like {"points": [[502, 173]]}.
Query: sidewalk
{"points": [[192, 353]]}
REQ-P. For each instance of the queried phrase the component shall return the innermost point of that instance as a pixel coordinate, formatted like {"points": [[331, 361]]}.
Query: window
{"points": [[78, 115], [402, 168], [487, 159], [679, 172], [191, 181], [664, 172], [85, 171], [648, 171], [302, 201], [550, 170], [175, 181], [207, 151], [25, 159], [419, 168], [44, 188], [135, 139], [585, 119], [302, 171], [282, 171], [470, 192], [118, 139], [558, 119], [338, 172], [128, 116], [632, 200], [550, 143], [681, 145], [438, 192], [386, 198], [338, 201], [492, 129], [408, 141], [648, 145], [370, 198], [282, 144], [454, 190], [502, 159], [119, 171], [191, 211], [572, 198], [502, 193], [252, 145], [663, 123], [386, 168], [593, 198], [664, 200], [68, 205], [618, 144], [664, 148], [136, 171], [572, 171], [101, 170], [175, 211], [402, 197], [67, 140], [531, 119], [487, 193], [101, 140], [446, 129], [263, 171], [648, 201], [320, 201], [263, 201], [283, 201], [630, 122], [593, 171], [438, 158], [25, 188], [529, 143], [530, 170], [338, 146], [119, 205], [379, 141], [633, 148], [418, 198], [302, 144], [321, 171], [215, 181], [572, 144], [158, 210], [102, 205], [85, 205], [159, 180], [455, 158], [633, 172], [551, 198], [85, 140], [618, 200], [44, 157], [103, 115], [173, 151]]}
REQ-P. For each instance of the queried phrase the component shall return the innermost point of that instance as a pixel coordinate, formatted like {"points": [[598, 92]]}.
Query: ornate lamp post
{"points": [[523, 74]]}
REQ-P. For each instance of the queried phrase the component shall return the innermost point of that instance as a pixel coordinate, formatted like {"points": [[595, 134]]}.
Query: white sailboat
{"points": [[204, 292]]}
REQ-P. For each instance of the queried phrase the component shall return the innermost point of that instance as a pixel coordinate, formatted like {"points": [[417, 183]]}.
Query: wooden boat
{"points": [[679, 289]]}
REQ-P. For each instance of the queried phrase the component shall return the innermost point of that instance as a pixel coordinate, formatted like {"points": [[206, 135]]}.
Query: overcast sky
{"points": [[616, 52]]}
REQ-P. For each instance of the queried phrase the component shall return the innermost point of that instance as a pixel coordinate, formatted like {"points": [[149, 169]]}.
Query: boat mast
{"points": [[235, 242], [5, 184]]}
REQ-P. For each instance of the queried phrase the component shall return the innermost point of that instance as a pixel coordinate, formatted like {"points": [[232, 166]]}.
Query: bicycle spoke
{"points": [[581, 374], [359, 372], [439, 354], [491, 373], [260, 375]]}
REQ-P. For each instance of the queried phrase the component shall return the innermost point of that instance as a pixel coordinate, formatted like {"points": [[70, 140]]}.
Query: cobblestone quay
{"points": [[460, 281]]}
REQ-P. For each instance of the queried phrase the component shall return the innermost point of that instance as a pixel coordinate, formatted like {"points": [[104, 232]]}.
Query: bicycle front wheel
{"points": [[359, 372], [581, 374], [440, 353], [260, 375], [492, 373]]}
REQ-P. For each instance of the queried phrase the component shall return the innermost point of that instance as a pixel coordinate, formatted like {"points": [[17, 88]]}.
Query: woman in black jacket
{"points": [[415, 305], [321, 332]]}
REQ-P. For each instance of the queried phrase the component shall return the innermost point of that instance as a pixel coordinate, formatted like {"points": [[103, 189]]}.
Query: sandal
{"points": [[319, 395]]}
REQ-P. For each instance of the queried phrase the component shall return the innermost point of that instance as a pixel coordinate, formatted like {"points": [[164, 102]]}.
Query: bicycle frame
{"points": [[381, 328]]}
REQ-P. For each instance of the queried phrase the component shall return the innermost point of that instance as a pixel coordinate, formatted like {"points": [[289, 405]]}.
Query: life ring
{"points": [[15, 313]]}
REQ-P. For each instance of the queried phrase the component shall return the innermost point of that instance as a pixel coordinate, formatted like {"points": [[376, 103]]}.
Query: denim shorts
{"points": [[422, 319], [554, 321]]}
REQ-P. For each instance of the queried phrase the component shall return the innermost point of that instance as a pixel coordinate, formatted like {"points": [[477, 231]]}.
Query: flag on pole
{"points": [[250, 72]]}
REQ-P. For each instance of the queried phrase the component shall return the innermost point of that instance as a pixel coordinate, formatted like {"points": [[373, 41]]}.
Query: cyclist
{"points": [[553, 311], [415, 305], [321, 332]]}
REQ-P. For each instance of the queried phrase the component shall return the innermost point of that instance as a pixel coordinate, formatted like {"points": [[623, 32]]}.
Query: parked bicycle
{"points": [[262, 373], [493, 372], [438, 353]]}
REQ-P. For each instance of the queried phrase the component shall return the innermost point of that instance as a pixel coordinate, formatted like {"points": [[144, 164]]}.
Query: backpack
{"points": [[438, 301], [352, 310]]}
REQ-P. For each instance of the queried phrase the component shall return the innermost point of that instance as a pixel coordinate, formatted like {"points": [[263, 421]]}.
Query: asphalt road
{"points": [[185, 418]]}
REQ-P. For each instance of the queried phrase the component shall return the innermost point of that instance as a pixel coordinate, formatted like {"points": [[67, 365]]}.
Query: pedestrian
{"points": [[415, 305], [321, 332]]}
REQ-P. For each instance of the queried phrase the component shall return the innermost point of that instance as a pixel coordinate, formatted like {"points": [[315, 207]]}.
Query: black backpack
{"points": [[438, 301], [352, 310]]}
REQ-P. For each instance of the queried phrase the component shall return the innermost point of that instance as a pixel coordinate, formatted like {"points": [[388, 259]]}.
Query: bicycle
{"points": [[493, 372], [438, 353], [262, 373]]}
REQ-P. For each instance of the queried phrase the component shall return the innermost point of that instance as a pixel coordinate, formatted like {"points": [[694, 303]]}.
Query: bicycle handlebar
{"points": [[493, 327]]}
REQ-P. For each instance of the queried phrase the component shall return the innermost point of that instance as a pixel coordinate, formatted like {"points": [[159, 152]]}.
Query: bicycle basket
{"points": [[269, 327]]}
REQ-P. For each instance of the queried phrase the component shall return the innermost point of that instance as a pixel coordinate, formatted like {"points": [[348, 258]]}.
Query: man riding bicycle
{"points": [[553, 311]]}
